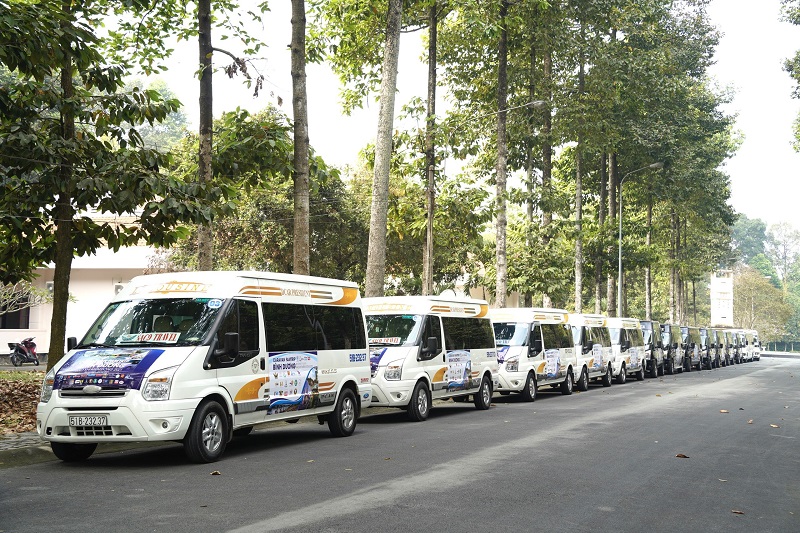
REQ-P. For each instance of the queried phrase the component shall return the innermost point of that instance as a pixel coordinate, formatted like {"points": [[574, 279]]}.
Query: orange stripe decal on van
{"points": [[540, 370], [349, 295], [484, 310], [439, 375], [328, 385], [250, 390]]}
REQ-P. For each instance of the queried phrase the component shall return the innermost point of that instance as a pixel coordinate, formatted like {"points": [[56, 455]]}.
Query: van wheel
{"points": [[622, 375], [568, 384], [207, 436], [420, 404], [71, 453], [654, 370], [640, 373], [607, 377], [530, 389], [483, 398], [342, 421], [583, 382]]}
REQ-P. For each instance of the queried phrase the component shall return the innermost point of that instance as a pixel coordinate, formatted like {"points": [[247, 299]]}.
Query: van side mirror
{"points": [[537, 345], [72, 342], [230, 347], [429, 350]]}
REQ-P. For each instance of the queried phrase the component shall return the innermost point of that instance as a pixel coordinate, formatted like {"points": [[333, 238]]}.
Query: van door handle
{"points": [[263, 364]]}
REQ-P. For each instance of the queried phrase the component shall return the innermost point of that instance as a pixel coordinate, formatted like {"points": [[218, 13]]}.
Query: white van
{"points": [[200, 356], [427, 347], [590, 333], [628, 345], [535, 348]]}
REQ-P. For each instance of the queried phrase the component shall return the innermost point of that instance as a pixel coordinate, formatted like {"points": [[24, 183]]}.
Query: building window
{"points": [[16, 320]]}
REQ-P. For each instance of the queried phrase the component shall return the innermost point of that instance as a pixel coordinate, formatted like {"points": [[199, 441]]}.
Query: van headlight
{"points": [[512, 365], [393, 371], [158, 385], [47, 386]]}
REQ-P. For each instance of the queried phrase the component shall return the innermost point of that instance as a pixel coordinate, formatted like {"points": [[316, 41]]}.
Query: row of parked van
{"points": [[201, 357]]}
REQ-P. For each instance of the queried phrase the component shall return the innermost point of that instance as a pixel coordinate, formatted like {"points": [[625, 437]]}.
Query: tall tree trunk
{"points": [[648, 279], [673, 282], [601, 220], [64, 213], [205, 242], [613, 184], [302, 253], [547, 152], [376, 252], [430, 151], [579, 193], [527, 297], [502, 154]]}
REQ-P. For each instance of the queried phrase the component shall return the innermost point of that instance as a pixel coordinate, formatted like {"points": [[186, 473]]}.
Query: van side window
{"points": [[339, 328], [636, 337], [241, 318], [557, 336], [289, 328], [467, 333], [432, 329]]}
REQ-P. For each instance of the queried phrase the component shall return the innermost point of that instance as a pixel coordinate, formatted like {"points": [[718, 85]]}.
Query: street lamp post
{"points": [[654, 166]]}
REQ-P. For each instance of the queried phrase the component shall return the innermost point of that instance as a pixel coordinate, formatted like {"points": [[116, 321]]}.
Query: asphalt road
{"points": [[603, 460]]}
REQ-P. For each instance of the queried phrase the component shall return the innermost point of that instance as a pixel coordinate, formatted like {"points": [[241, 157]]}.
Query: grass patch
{"points": [[26, 376]]}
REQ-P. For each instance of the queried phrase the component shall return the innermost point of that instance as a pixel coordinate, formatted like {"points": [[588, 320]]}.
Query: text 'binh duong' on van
{"points": [[535, 348], [424, 348], [198, 357]]}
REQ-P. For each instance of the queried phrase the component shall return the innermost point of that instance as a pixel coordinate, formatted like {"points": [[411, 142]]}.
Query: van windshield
{"points": [[511, 333], [394, 330], [172, 321], [614, 332]]}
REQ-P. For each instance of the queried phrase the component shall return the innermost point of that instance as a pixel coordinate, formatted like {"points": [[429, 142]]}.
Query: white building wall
{"points": [[93, 280]]}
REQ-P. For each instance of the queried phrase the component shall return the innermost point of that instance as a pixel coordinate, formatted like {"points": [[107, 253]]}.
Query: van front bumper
{"points": [[510, 381], [391, 393], [163, 421]]}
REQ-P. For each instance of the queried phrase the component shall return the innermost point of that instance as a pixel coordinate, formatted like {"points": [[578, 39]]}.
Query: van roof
{"points": [[529, 314], [623, 322], [437, 305], [290, 288], [587, 319]]}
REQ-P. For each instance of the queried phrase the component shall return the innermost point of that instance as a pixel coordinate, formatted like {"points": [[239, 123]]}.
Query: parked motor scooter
{"points": [[23, 352]]}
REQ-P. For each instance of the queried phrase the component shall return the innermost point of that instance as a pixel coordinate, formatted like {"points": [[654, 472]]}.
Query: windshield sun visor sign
{"points": [[107, 367]]}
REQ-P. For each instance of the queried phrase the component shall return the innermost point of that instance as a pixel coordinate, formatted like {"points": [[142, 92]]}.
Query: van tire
{"points": [[606, 379], [640, 373], [483, 398], [583, 382], [342, 421], [653, 369], [70, 452], [530, 389], [207, 436], [568, 384], [622, 376], [419, 406]]}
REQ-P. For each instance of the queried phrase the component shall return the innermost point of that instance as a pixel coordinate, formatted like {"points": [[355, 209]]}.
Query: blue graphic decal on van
{"points": [[120, 368], [293, 383], [459, 370], [375, 358], [501, 354]]}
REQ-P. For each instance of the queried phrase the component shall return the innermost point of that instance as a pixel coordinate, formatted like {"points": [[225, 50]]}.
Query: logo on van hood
{"points": [[121, 368], [501, 354]]}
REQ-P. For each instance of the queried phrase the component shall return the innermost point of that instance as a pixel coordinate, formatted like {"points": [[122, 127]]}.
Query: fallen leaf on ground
{"points": [[310, 461], [387, 458], [216, 473], [750, 421], [774, 426], [658, 395], [723, 410], [734, 511], [724, 480], [741, 408], [682, 456]]}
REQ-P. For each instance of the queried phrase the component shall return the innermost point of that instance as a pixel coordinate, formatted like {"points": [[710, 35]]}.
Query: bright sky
{"points": [[750, 57]]}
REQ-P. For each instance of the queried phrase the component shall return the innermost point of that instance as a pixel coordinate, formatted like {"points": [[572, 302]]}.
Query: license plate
{"points": [[88, 420]]}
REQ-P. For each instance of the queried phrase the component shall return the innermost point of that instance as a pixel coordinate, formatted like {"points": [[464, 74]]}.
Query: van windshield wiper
{"points": [[95, 345]]}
